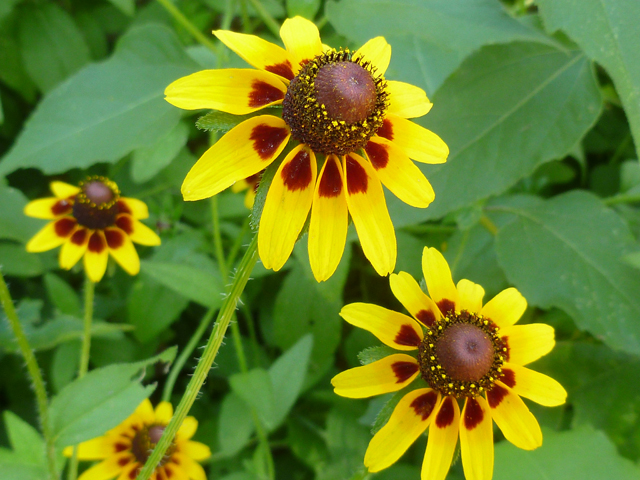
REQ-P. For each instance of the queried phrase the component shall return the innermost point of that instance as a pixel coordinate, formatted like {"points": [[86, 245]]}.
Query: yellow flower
{"points": [[350, 132], [250, 184], [464, 351], [125, 449], [93, 221]]}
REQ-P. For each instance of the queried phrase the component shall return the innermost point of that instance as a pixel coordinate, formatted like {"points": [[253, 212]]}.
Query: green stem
{"points": [[34, 373], [217, 239], [89, 290], [489, 225], [235, 248], [186, 23], [622, 198], [208, 356], [266, 18]]}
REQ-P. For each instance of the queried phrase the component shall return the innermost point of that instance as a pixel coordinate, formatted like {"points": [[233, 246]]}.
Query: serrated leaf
{"points": [[567, 253], [373, 354], [107, 109], [607, 30], [99, 401], [217, 121], [429, 38]]}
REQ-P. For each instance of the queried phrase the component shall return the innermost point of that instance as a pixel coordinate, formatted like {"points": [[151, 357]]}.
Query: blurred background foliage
{"points": [[539, 102]]}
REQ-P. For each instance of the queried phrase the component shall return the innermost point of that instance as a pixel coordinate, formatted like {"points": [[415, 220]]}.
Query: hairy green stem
{"points": [[35, 374], [89, 290], [208, 356], [186, 23]]}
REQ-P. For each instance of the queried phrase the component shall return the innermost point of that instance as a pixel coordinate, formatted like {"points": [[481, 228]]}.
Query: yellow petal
{"points": [[52, 235], [244, 151], [287, 206], [73, 250], [516, 422], [196, 450], [534, 385], [378, 52], [144, 412], [398, 173], [96, 256], [134, 207], [233, 90], [187, 429], [409, 419], [122, 250], [469, 296], [476, 439], [528, 343], [48, 208], [391, 328], [94, 449], [63, 190], [388, 374], [506, 308], [437, 275], [164, 412], [137, 231], [420, 144], [406, 100], [301, 39], [409, 293], [128, 469], [443, 437], [105, 470], [191, 469], [329, 221], [258, 52], [368, 209]]}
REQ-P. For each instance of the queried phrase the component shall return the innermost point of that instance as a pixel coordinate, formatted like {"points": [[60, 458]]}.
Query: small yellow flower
{"points": [[125, 449], [464, 351], [91, 221], [351, 134]]}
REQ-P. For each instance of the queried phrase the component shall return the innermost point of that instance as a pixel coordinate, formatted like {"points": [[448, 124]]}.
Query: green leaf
{"points": [[203, 287], [12, 72], [567, 253], [256, 390], [99, 401], [16, 261], [373, 354], [303, 8], [531, 103], [429, 38], [26, 442], [235, 425], [146, 162], [106, 110], [306, 442], [64, 365], [607, 31], [583, 453], [217, 121], [128, 7], [62, 295], [1, 112], [152, 307], [15, 225], [51, 44]]}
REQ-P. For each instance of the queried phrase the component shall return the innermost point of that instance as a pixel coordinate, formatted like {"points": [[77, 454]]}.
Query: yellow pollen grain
{"points": [[432, 357]]}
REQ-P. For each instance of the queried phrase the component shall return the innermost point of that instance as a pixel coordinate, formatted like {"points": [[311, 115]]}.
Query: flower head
{"points": [[349, 131], [91, 221], [465, 352], [125, 449]]}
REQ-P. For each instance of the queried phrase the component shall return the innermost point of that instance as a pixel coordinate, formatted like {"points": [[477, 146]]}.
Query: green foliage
{"points": [[26, 458]]}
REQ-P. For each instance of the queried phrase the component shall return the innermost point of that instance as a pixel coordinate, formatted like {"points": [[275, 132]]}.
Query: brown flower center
{"points": [[465, 352], [145, 441], [96, 206]]}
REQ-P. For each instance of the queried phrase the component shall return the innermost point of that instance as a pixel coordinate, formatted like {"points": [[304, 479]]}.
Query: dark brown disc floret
{"points": [[145, 441], [462, 355], [96, 206], [336, 103]]}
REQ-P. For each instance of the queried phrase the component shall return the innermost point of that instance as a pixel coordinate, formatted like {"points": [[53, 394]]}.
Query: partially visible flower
{"points": [[91, 221], [250, 184], [465, 351], [124, 450], [351, 133]]}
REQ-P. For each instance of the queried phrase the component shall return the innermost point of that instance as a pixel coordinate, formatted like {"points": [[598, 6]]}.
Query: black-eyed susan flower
{"points": [[91, 221], [124, 450], [250, 184], [467, 352], [350, 132]]}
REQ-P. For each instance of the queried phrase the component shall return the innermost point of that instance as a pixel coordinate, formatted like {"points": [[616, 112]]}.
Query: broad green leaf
{"points": [[306, 442], [607, 30], [6, 6], [1, 112], [568, 253], [51, 44], [303, 8], [429, 38], [217, 121], [15, 225], [256, 390], [16, 261], [198, 285], [582, 453], [507, 110], [347, 441], [12, 72], [152, 307], [62, 295], [146, 162], [107, 109], [235, 425], [64, 365], [128, 7], [26, 442], [373, 354], [99, 401]]}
